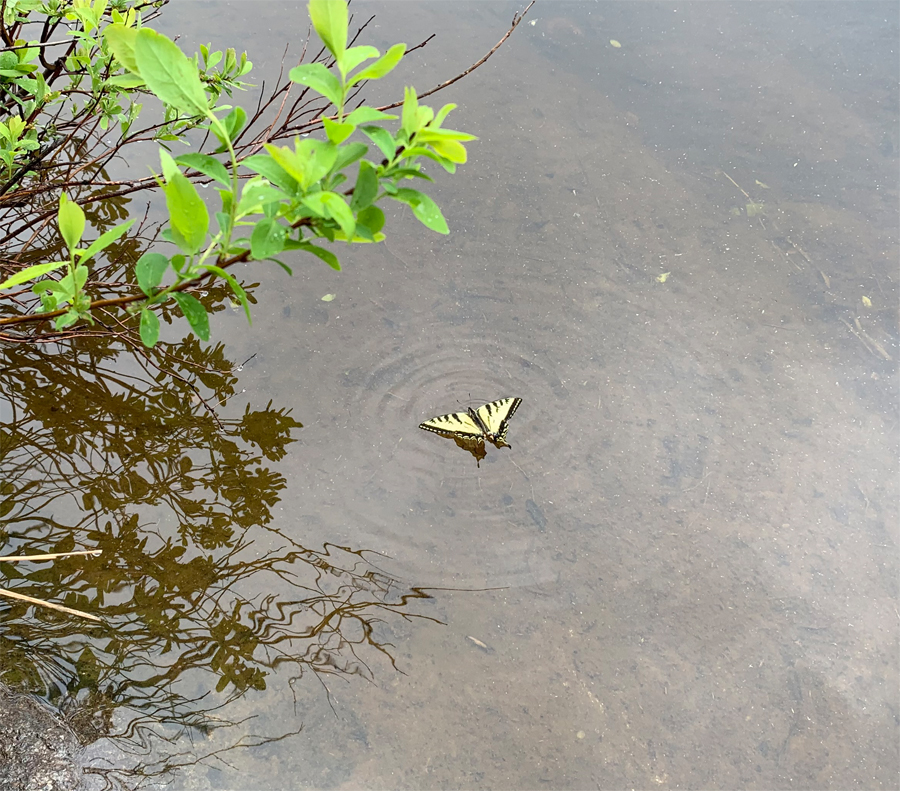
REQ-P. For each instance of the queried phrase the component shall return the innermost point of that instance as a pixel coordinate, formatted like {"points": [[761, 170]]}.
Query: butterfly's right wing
{"points": [[456, 424]]}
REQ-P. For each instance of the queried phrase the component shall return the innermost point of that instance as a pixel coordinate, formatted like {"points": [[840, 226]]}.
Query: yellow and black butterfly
{"points": [[488, 422]]}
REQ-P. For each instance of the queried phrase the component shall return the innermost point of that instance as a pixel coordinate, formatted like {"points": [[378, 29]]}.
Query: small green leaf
{"points": [[125, 81], [327, 298], [348, 154], [335, 207], [149, 270], [207, 165], [65, 287], [267, 239], [170, 74], [48, 303], [235, 287], [320, 79], [425, 209], [194, 312], [310, 160], [224, 221], [81, 276], [366, 187], [449, 149], [187, 211], [382, 66], [381, 138], [71, 221], [66, 320], [356, 55], [410, 117], [284, 266], [234, 122], [372, 217], [31, 272], [326, 255], [257, 194], [105, 240], [365, 115], [337, 133], [149, 328], [441, 115], [268, 167], [329, 18], [58, 287]]}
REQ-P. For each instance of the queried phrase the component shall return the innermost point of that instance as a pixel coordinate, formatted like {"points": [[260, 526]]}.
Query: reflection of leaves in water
{"points": [[101, 452]]}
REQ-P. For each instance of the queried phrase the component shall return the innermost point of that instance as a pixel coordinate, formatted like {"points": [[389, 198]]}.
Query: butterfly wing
{"points": [[456, 424], [495, 416]]}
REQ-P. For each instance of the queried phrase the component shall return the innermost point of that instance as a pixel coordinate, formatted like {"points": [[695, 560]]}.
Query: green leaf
{"points": [[410, 117], [257, 194], [224, 221], [381, 138], [320, 79], [48, 303], [366, 187], [326, 255], [59, 287], [149, 328], [337, 133], [425, 209], [335, 207], [329, 18], [267, 239], [71, 221], [31, 272], [105, 240], [66, 320], [169, 73], [207, 165], [235, 287], [308, 163], [121, 40], [421, 151], [431, 133], [284, 266], [149, 270], [194, 312], [268, 167], [126, 81], [356, 55], [348, 154], [365, 115], [382, 66], [187, 211], [449, 149], [81, 276], [234, 122], [372, 217]]}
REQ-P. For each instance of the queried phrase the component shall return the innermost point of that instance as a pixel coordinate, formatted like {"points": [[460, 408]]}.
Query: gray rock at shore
{"points": [[38, 750]]}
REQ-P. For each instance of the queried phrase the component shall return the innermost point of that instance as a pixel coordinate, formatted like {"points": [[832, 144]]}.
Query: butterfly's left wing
{"points": [[495, 418]]}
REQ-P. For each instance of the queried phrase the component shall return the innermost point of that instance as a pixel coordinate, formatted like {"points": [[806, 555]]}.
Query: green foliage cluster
{"points": [[279, 200]]}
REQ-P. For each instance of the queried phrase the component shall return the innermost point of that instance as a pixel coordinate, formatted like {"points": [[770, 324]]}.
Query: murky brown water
{"points": [[684, 573]]}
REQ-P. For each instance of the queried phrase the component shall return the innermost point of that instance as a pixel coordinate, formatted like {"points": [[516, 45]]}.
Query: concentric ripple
{"points": [[423, 500]]}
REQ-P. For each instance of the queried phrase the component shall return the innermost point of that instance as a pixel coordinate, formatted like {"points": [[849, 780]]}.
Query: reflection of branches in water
{"points": [[202, 599]]}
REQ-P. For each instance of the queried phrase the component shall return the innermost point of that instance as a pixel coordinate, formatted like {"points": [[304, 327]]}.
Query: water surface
{"points": [[684, 572]]}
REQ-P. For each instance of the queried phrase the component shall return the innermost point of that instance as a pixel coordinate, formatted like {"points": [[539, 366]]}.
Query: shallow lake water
{"points": [[676, 240]]}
